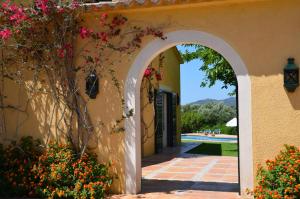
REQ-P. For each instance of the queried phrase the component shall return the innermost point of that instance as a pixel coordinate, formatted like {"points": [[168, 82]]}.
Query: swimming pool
{"points": [[204, 138]]}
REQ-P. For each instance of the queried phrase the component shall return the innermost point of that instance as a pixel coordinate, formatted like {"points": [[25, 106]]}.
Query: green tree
{"points": [[214, 65], [216, 113], [212, 115], [191, 121], [209, 115]]}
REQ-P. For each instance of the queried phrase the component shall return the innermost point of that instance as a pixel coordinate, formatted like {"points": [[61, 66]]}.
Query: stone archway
{"points": [[132, 101]]}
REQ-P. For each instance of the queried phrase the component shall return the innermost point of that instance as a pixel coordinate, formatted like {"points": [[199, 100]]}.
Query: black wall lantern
{"points": [[92, 85], [291, 75]]}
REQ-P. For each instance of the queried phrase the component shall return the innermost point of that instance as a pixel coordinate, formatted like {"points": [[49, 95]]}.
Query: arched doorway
{"points": [[132, 102]]}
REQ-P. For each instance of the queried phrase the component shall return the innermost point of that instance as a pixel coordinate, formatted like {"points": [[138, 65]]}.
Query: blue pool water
{"points": [[204, 138]]}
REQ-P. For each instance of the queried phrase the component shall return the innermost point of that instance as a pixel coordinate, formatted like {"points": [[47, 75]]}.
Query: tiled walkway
{"points": [[175, 174]]}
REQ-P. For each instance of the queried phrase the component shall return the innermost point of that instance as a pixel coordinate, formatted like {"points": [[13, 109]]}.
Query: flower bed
{"points": [[281, 177], [29, 170]]}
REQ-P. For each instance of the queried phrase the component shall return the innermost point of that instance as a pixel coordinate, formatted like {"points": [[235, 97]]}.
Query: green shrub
{"points": [[225, 129], [191, 121], [18, 159], [207, 116], [28, 170], [216, 113], [281, 177], [61, 174]]}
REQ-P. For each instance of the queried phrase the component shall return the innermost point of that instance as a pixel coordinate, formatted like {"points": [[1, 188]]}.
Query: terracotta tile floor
{"points": [[175, 174]]}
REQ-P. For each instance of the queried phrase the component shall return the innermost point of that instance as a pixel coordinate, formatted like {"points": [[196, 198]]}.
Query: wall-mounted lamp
{"points": [[291, 75], [92, 85]]}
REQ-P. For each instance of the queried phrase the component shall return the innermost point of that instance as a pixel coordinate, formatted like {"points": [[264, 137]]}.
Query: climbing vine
{"points": [[39, 54], [150, 84]]}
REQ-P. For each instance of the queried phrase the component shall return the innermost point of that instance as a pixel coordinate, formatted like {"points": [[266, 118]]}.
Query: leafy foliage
{"points": [[18, 159], [210, 115], [55, 172], [281, 176], [191, 121], [214, 65], [60, 174], [224, 129], [216, 113]]}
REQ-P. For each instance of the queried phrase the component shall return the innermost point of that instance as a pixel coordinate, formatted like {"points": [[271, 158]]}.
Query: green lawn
{"points": [[221, 149]]}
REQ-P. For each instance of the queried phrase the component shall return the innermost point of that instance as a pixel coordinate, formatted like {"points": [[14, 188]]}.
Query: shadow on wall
{"points": [[107, 141], [20, 119], [294, 98], [35, 113], [44, 120]]}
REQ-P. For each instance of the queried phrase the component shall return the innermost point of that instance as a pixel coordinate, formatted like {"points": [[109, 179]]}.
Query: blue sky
{"points": [[190, 81]]}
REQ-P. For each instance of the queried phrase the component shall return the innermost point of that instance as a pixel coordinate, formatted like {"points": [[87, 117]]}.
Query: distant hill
{"points": [[229, 101]]}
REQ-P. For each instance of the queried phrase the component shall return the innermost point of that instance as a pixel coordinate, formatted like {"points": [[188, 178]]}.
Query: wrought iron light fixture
{"points": [[291, 75], [92, 84]]}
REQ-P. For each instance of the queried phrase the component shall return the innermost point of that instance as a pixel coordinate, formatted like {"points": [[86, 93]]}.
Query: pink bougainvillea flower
{"points": [[61, 10], [5, 34], [103, 36], [84, 32], [74, 4], [5, 4], [18, 15], [61, 53], [14, 13], [148, 72], [103, 17], [158, 76], [12, 7], [42, 5], [67, 49]]}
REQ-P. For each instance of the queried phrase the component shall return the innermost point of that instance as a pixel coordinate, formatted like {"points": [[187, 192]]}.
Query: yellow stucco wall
{"points": [[264, 33], [170, 72]]}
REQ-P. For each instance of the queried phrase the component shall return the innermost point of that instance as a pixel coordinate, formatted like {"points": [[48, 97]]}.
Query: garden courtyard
{"points": [[176, 173], [91, 101]]}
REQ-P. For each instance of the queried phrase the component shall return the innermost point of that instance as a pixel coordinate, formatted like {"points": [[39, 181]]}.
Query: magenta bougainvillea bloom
{"points": [[103, 18], [14, 13], [158, 76], [84, 32], [75, 4], [18, 15], [67, 49], [148, 72], [103, 36], [42, 4], [5, 4], [5, 34]]}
